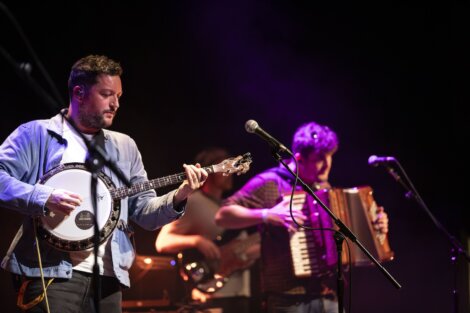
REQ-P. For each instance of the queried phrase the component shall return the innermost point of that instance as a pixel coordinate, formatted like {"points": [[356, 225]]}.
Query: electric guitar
{"points": [[210, 276]]}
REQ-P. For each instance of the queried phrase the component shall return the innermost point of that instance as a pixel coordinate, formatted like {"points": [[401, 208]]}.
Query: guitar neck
{"points": [[122, 192]]}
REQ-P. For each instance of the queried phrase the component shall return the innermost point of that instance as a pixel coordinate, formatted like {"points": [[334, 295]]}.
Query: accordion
{"points": [[314, 251]]}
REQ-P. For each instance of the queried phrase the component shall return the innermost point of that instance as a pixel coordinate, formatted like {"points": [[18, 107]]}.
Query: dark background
{"points": [[389, 79]]}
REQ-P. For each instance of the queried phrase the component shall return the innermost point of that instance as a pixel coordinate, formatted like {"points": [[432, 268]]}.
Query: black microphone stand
{"points": [[339, 236], [456, 249], [97, 157]]}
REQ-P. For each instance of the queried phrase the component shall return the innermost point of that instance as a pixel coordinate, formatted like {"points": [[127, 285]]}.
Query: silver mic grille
{"points": [[251, 126]]}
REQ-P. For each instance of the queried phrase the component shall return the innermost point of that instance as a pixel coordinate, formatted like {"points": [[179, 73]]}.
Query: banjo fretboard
{"points": [[156, 183]]}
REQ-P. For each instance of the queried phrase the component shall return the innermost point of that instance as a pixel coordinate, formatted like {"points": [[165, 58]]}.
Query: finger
{"points": [[65, 208], [194, 170], [290, 227], [299, 215], [295, 217], [204, 174], [382, 221], [285, 201], [189, 174], [201, 173], [383, 230], [74, 195], [296, 221], [72, 201], [197, 174]]}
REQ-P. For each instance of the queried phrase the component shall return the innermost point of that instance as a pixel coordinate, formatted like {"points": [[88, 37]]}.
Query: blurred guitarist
{"points": [[197, 230]]}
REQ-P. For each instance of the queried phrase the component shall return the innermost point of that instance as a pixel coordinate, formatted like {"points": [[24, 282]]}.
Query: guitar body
{"points": [[234, 256], [210, 276]]}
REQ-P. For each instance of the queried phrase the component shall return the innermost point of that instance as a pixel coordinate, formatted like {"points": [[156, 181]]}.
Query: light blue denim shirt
{"points": [[35, 148]]}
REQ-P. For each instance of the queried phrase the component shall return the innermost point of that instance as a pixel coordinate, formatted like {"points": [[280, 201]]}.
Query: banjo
{"points": [[75, 232]]}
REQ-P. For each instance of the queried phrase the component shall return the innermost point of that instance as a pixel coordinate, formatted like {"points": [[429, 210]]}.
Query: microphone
{"points": [[376, 160], [252, 127]]}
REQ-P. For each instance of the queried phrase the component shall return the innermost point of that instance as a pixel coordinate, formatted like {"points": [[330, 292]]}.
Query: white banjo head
{"points": [[75, 232]]}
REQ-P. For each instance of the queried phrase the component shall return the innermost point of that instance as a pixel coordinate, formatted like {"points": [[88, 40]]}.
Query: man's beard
{"points": [[92, 120]]}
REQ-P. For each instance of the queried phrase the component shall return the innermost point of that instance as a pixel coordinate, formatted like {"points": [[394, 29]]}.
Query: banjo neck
{"points": [[239, 165], [122, 192]]}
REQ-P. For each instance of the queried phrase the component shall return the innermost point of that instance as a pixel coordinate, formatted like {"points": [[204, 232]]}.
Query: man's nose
{"points": [[115, 103]]}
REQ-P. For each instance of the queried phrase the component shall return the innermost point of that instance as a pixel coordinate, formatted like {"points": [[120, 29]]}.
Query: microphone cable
{"points": [[25, 283]]}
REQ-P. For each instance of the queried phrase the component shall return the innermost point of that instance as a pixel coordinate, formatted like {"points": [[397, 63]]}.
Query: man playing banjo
{"points": [[37, 147]]}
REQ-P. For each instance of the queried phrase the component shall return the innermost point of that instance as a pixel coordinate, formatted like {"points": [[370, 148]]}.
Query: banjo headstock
{"points": [[239, 165]]}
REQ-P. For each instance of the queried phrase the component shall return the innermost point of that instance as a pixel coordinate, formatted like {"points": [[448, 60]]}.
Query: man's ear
{"points": [[79, 91], [298, 157]]}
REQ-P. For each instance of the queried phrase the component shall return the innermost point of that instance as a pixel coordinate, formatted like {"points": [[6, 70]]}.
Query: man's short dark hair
{"points": [[85, 71]]}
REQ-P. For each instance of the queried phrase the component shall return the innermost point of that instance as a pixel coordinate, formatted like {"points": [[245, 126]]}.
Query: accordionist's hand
{"points": [[381, 221], [280, 215]]}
